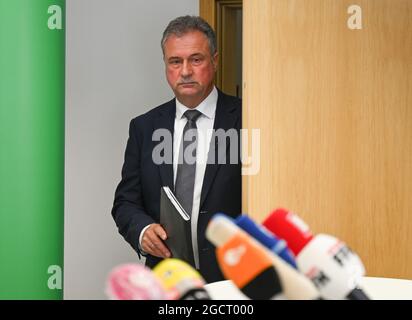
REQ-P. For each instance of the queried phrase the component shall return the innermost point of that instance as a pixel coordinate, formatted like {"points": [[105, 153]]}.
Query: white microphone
{"points": [[330, 264]]}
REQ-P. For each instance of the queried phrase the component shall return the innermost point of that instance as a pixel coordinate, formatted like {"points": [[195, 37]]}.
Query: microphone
{"points": [[133, 282], [266, 238], [289, 226], [330, 264], [180, 280], [255, 270]]}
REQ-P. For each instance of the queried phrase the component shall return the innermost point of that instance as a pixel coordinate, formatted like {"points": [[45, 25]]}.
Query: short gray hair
{"points": [[184, 24]]}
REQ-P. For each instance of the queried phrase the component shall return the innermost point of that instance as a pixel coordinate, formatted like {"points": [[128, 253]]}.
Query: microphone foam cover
{"points": [[133, 282], [288, 226], [180, 280], [249, 268], [220, 229], [266, 238]]}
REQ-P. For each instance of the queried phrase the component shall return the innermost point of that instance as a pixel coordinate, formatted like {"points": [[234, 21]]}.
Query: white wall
{"points": [[114, 73]]}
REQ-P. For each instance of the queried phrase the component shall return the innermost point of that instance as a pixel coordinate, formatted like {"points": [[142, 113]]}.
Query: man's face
{"points": [[190, 68]]}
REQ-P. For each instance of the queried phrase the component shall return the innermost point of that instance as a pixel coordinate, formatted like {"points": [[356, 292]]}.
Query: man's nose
{"points": [[186, 69]]}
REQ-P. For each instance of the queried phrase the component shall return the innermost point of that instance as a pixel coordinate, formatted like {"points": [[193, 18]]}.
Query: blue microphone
{"points": [[266, 238]]}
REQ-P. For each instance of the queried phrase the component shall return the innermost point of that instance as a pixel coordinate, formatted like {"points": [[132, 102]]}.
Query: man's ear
{"points": [[215, 60]]}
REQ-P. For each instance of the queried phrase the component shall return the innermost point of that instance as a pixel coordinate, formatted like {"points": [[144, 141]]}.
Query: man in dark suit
{"points": [[211, 183]]}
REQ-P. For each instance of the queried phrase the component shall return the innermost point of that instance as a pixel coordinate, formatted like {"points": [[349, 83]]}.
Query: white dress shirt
{"points": [[204, 125]]}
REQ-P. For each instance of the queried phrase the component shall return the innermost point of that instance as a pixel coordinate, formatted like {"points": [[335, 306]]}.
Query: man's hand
{"points": [[152, 241]]}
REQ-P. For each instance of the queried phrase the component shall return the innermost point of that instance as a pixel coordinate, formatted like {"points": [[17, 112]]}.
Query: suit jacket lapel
{"points": [[225, 119], [166, 120]]}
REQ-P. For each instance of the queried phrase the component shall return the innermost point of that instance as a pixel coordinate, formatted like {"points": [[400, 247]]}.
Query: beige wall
{"points": [[335, 111]]}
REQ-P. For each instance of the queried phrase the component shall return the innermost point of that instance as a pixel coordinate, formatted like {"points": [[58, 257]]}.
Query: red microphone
{"points": [[287, 225]]}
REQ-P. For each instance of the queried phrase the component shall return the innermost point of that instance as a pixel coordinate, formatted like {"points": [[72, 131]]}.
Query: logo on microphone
{"points": [[318, 277], [233, 256], [342, 255]]}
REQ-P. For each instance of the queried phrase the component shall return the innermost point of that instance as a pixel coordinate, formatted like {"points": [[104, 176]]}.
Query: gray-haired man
{"points": [[205, 187]]}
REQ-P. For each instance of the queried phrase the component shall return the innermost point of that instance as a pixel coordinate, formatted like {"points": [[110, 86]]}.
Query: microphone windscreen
{"points": [[180, 280], [266, 238], [251, 270], [219, 233], [288, 226], [332, 266], [134, 282]]}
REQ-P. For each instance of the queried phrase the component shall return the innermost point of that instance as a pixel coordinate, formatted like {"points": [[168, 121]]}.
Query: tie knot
{"points": [[192, 115]]}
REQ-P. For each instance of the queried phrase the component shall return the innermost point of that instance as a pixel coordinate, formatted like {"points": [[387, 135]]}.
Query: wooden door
{"points": [[331, 92]]}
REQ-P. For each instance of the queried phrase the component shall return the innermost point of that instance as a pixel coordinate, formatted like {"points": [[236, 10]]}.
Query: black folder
{"points": [[176, 223]]}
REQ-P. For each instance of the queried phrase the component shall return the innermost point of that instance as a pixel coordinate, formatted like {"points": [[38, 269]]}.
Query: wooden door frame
{"points": [[218, 14]]}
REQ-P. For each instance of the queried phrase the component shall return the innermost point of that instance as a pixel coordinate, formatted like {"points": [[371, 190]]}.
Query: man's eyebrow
{"points": [[197, 54], [191, 56]]}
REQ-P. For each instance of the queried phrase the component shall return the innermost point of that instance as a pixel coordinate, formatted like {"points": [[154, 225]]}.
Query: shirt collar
{"points": [[207, 107]]}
